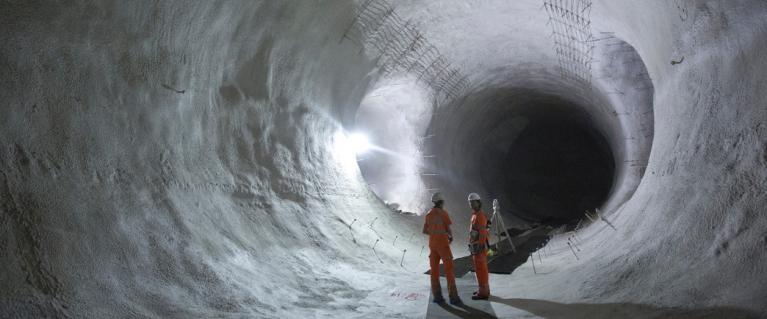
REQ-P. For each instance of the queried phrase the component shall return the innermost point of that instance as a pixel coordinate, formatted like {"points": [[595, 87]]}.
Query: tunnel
{"points": [[558, 167], [275, 159]]}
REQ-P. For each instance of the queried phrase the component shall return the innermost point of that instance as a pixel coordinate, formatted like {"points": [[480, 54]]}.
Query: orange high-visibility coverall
{"points": [[479, 224], [436, 225]]}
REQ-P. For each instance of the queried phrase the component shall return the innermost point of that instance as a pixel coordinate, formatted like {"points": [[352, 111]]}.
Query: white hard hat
{"points": [[436, 197], [473, 196]]}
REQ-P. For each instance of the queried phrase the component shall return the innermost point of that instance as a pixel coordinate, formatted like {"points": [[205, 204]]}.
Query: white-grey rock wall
{"points": [[183, 159]]}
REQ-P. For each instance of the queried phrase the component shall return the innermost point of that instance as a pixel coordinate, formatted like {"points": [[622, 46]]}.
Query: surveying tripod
{"points": [[498, 226]]}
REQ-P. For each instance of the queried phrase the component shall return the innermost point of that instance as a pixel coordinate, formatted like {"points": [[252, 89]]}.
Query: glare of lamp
{"points": [[359, 143]]}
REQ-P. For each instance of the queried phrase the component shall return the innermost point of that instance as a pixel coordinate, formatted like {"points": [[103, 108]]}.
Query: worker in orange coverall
{"points": [[437, 226], [478, 238]]}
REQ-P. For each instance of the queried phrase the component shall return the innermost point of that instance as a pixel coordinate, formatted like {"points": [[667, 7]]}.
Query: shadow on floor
{"points": [[554, 310], [465, 311]]}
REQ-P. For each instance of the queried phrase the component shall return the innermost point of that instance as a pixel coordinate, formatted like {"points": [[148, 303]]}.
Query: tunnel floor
{"points": [[523, 295], [506, 304]]}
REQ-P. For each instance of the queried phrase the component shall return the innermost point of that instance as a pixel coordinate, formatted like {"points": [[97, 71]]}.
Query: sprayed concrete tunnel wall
{"points": [[187, 159]]}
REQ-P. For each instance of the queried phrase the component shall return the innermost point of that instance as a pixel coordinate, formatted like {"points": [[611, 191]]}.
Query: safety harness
{"points": [[475, 246]]}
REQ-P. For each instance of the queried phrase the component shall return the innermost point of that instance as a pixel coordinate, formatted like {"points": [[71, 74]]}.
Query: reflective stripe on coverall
{"points": [[436, 224]]}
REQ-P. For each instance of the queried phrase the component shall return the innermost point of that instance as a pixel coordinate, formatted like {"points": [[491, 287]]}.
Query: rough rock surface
{"points": [[180, 159]]}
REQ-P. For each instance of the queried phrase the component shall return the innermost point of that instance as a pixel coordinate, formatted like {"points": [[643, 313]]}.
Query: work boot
{"points": [[452, 290], [436, 291], [478, 297], [455, 300], [482, 293]]}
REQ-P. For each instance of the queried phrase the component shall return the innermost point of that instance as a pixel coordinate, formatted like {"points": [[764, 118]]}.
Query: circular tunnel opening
{"points": [[548, 160], [556, 169]]}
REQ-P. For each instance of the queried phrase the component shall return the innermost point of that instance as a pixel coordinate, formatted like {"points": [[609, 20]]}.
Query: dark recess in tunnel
{"points": [[556, 167]]}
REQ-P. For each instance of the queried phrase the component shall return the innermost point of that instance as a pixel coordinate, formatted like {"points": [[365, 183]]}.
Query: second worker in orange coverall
{"points": [[478, 236], [437, 226]]}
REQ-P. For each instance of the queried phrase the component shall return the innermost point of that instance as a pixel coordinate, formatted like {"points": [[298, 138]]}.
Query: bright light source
{"points": [[359, 143], [346, 148]]}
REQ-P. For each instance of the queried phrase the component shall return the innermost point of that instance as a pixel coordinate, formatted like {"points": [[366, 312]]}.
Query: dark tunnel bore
{"points": [[557, 166], [545, 157], [557, 169]]}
